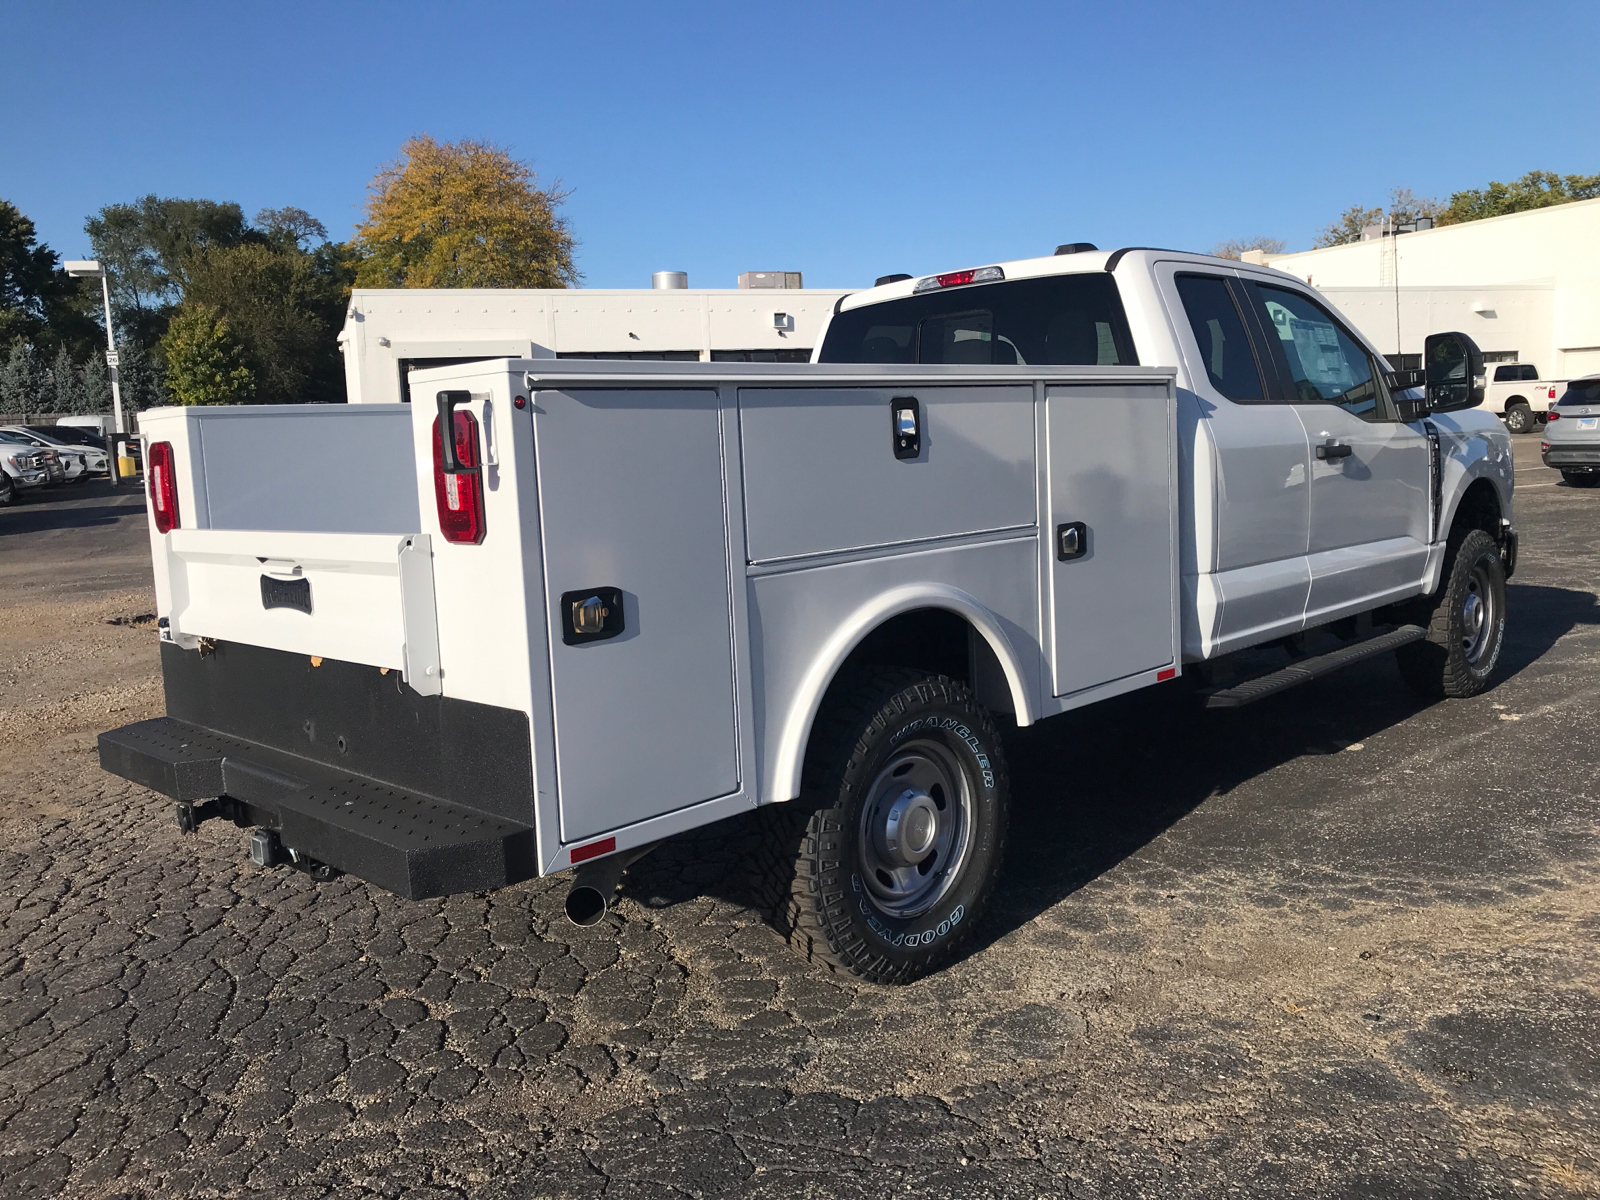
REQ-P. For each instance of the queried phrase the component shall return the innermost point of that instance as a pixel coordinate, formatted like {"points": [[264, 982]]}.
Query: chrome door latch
{"points": [[906, 426], [591, 615], [1072, 541]]}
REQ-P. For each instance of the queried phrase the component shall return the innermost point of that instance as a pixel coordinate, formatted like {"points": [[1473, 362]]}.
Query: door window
{"points": [[1219, 333], [1320, 362]]}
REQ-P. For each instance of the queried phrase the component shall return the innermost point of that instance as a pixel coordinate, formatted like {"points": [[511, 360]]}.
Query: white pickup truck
{"points": [[1516, 392], [619, 600]]}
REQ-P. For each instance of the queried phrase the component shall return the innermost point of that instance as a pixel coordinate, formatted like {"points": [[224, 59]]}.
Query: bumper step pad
{"points": [[412, 844], [1308, 669]]}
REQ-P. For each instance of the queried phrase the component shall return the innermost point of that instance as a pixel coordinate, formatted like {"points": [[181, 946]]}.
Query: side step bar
{"points": [[1308, 669]]}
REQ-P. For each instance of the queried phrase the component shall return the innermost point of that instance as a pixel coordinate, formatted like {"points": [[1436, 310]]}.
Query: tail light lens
{"points": [[163, 487], [1552, 415], [460, 496]]}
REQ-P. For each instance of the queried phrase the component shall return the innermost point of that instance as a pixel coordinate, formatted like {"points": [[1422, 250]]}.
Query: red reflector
{"points": [[1163, 676], [594, 849], [956, 278], [163, 487], [460, 497]]}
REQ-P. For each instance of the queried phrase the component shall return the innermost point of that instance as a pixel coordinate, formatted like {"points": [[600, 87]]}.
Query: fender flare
{"points": [[825, 666], [1478, 469]]}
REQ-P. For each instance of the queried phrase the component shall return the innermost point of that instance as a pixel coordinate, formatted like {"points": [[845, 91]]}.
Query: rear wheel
{"points": [[1466, 628], [1519, 419], [884, 866], [1582, 478]]}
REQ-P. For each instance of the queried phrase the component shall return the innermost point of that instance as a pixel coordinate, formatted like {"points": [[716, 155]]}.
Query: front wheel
{"points": [[1467, 627], [1519, 419], [885, 865], [8, 491]]}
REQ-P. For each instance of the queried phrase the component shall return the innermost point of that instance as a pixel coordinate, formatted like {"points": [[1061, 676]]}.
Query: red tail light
{"points": [[163, 487], [1552, 415], [460, 496]]}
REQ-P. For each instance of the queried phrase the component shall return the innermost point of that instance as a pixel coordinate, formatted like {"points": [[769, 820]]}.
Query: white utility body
{"points": [[653, 594]]}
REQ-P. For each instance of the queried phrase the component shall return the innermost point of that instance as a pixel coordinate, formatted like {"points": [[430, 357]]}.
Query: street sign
{"points": [[112, 358]]}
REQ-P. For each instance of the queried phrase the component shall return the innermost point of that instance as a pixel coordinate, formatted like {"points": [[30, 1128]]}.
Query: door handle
{"points": [[1332, 450]]}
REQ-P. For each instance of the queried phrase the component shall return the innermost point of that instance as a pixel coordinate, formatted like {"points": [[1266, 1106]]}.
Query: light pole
{"points": [[90, 269]]}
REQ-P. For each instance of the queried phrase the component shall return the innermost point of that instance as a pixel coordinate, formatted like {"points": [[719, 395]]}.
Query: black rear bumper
{"points": [[440, 799]]}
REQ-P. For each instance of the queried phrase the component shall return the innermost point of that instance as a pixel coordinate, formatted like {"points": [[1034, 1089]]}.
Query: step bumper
{"points": [[409, 843]]}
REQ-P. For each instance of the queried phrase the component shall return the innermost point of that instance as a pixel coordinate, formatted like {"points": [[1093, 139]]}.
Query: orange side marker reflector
{"points": [[594, 849]]}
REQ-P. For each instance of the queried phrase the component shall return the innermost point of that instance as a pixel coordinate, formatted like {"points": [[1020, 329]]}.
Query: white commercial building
{"points": [[1526, 287], [390, 333]]}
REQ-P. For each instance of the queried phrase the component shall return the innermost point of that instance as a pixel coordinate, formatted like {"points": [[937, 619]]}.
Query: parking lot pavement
{"points": [[1341, 945]]}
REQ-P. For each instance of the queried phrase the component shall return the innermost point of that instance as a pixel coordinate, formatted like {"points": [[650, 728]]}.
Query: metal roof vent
{"points": [[1076, 248], [669, 280]]}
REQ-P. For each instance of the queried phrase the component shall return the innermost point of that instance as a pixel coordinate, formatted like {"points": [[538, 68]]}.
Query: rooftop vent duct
{"points": [[770, 279], [1076, 248], [669, 280], [883, 279]]}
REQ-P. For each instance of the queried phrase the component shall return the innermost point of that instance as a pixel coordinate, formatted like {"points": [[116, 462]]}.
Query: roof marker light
{"points": [[932, 283]]}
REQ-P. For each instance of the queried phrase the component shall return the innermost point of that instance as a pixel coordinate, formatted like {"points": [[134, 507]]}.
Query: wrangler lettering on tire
{"points": [[884, 865]]}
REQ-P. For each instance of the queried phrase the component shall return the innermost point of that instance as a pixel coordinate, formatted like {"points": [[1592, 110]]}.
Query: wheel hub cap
{"points": [[909, 828]]}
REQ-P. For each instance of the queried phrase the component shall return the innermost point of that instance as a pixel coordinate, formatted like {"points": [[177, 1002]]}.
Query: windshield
{"points": [[1580, 392], [1060, 320]]}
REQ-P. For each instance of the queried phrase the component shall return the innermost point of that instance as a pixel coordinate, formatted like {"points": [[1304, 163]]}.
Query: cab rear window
{"points": [[1060, 320], [1584, 391]]}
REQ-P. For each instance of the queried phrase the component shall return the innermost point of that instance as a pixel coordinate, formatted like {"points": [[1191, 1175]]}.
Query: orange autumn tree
{"points": [[462, 215]]}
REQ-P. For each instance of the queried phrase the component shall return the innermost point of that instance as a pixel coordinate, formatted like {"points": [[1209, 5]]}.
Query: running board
{"points": [[1308, 669]]}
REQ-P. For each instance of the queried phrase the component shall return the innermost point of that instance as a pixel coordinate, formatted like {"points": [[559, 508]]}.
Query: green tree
{"points": [[1536, 189], [141, 378], [39, 302], [94, 386], [460, 215], [285, 307], [205, 363], [22, 380], [64, 394], [147, 246], [1404, 206], [1235, 247]]}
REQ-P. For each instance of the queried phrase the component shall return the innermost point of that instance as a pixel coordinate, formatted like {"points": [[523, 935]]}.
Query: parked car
{"points": [[70, 435], [74, 460], [79, 459], [1518, 394], [1572, 434], [24, 466]]}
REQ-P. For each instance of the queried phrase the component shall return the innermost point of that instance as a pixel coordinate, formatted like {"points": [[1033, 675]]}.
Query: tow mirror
{"points": [[1454, 367]]}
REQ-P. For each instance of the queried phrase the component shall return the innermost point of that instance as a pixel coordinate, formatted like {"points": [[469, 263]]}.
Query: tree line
{"points": [[1536, 189], [214, 308]]}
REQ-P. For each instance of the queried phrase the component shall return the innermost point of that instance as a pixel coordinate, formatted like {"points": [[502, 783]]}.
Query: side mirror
{"points": [[1454, 367]]}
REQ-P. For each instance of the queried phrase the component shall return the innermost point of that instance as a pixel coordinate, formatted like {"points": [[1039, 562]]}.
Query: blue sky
{"points": [[846, 141]]}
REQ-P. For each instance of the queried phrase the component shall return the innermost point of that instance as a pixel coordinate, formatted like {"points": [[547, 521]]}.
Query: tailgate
{"points": [[357, 597]]}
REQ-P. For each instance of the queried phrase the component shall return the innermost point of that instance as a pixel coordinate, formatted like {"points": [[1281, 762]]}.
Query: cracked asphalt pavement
{"points": [[1345, 944]]}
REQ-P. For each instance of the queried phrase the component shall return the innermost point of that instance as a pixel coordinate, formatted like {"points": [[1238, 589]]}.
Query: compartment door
{"points": [[631, 512], [1112, 491]]}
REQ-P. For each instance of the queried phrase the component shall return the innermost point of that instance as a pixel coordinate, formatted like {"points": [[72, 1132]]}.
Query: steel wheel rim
{"points": [[905, 866], [1477, 615]]}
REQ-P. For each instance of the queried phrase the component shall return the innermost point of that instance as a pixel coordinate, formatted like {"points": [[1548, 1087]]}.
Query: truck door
{"points": [[1261, 499], [1369, 472], [631, 510], [1112, 505]]}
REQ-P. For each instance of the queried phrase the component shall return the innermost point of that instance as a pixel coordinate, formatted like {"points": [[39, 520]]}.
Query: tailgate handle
{"points": [[449, 463]]}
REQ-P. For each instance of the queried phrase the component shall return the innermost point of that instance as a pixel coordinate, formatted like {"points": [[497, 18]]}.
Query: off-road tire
{"points": [[809, 864], [1582, 478], [1520, 419], [1439, 666]]}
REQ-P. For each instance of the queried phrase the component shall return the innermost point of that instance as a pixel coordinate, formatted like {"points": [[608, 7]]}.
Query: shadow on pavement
{"points": [[1091, 788]]}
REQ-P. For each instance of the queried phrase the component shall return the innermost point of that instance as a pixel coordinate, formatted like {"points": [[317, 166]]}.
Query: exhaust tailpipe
{"points": [[594, 886]]}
